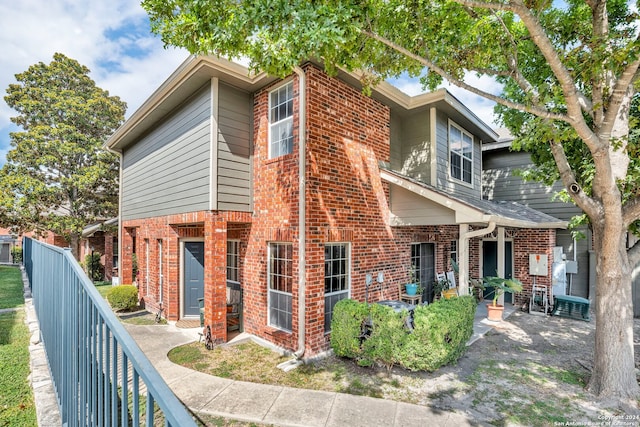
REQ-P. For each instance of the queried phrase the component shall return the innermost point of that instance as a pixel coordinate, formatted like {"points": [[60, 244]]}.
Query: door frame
{"points": [[425, 282], [181, 273], [498, 249]]}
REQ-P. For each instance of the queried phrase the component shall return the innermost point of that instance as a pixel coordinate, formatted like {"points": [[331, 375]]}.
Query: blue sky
{"points": [[113, 39]]}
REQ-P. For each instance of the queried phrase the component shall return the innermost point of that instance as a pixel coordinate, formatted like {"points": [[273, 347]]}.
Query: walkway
{"points": [[285, 406]]}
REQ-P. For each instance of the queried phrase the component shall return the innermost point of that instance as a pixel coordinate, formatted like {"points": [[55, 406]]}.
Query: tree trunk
{"points": [[74, 243], [613, 365]]}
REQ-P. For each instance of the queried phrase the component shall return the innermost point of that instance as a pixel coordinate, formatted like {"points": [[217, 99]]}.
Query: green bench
{"points": [[570, 306]]}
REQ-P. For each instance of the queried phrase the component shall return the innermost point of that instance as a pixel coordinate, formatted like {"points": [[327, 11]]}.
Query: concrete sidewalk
{"points": [[284, 406]]}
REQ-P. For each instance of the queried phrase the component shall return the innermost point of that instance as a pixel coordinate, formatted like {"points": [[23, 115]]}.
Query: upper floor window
{"points": [[281, 121], [460, 154]]}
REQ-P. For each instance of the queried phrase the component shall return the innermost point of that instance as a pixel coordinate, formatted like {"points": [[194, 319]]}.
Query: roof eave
{"points": [[239, 74], [471, 213], [509, 222]]}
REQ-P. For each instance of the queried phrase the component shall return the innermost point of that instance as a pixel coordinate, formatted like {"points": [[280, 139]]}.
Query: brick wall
{"points": [[348, 134], [347, 137], [275, 219], [526, 242], [211, 227]]}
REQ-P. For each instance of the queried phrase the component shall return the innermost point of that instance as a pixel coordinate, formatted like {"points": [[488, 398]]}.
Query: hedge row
{"points": [[123, 297], [377, 334]]}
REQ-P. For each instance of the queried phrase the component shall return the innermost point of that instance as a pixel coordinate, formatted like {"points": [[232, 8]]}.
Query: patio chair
{"points": [[234, 306]]}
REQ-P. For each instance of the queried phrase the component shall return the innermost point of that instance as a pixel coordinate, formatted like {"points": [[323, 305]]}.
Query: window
{"points": [[280, 282], [454, 251], [114, 246], [461, 154], [281, 121], [423, 262], [160, 272], [336, 279], [233, 260], [146, 266]]}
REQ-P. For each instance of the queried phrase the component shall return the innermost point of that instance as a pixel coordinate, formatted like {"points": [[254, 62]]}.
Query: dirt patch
{"points": [[529, 370]]}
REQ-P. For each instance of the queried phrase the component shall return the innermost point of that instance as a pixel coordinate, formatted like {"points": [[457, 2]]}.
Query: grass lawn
{"points": [[11, 293], [529, 371], [250, 362], [103, 288], [16, 396]]}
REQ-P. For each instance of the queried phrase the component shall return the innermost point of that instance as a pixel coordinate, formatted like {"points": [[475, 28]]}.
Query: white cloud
{"points": [[112, 38]]}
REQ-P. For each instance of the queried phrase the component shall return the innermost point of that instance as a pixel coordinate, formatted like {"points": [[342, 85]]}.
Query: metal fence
{"points": [[100, 375]]}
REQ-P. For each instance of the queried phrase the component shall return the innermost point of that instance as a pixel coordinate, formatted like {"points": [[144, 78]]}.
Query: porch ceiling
{"points": [[416, 203]]}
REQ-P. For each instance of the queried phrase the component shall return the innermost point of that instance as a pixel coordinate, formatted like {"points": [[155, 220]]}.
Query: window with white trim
{"points": [[281, 121], [460, 154], [233, 260], [280, 283], [146, 266], [160, 273], [336, 278]]}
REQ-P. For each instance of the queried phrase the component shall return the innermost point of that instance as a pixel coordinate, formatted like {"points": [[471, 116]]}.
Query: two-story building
{"points": [[297, 190]]}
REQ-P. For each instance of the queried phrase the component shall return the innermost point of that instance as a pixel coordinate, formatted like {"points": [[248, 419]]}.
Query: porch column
{"points": [[465, 236], [463, 260], [215, 276], [126, 261], [500, 260]]}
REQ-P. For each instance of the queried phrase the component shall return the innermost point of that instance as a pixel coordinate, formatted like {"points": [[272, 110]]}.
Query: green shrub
{"points": [[123, 297], [346, 327], [440, 335], [16, 253], [388, 335], [95, 270], [441, 331]]}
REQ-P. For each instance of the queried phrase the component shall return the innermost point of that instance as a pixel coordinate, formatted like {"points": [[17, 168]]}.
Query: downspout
{"points": [[302, 210], [465, 236]]}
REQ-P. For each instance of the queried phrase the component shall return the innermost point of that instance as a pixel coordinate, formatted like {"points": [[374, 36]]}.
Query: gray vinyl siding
{"points": [[167, 171], [234, 149], [502, 183], [416, 149], [395, 141], [443, 179]]}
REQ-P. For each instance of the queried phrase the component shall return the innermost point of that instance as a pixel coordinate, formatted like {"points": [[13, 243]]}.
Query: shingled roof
{"points": [[504, 213]]}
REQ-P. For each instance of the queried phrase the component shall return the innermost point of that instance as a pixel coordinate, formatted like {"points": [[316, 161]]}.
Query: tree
{"points": [[58, 177], [570, 67]]}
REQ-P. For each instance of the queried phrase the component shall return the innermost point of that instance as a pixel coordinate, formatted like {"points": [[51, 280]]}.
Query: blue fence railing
{"points": [[100, 375]]}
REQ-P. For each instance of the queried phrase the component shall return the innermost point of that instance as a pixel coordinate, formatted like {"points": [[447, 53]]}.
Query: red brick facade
{"points": [[346, 201]]}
